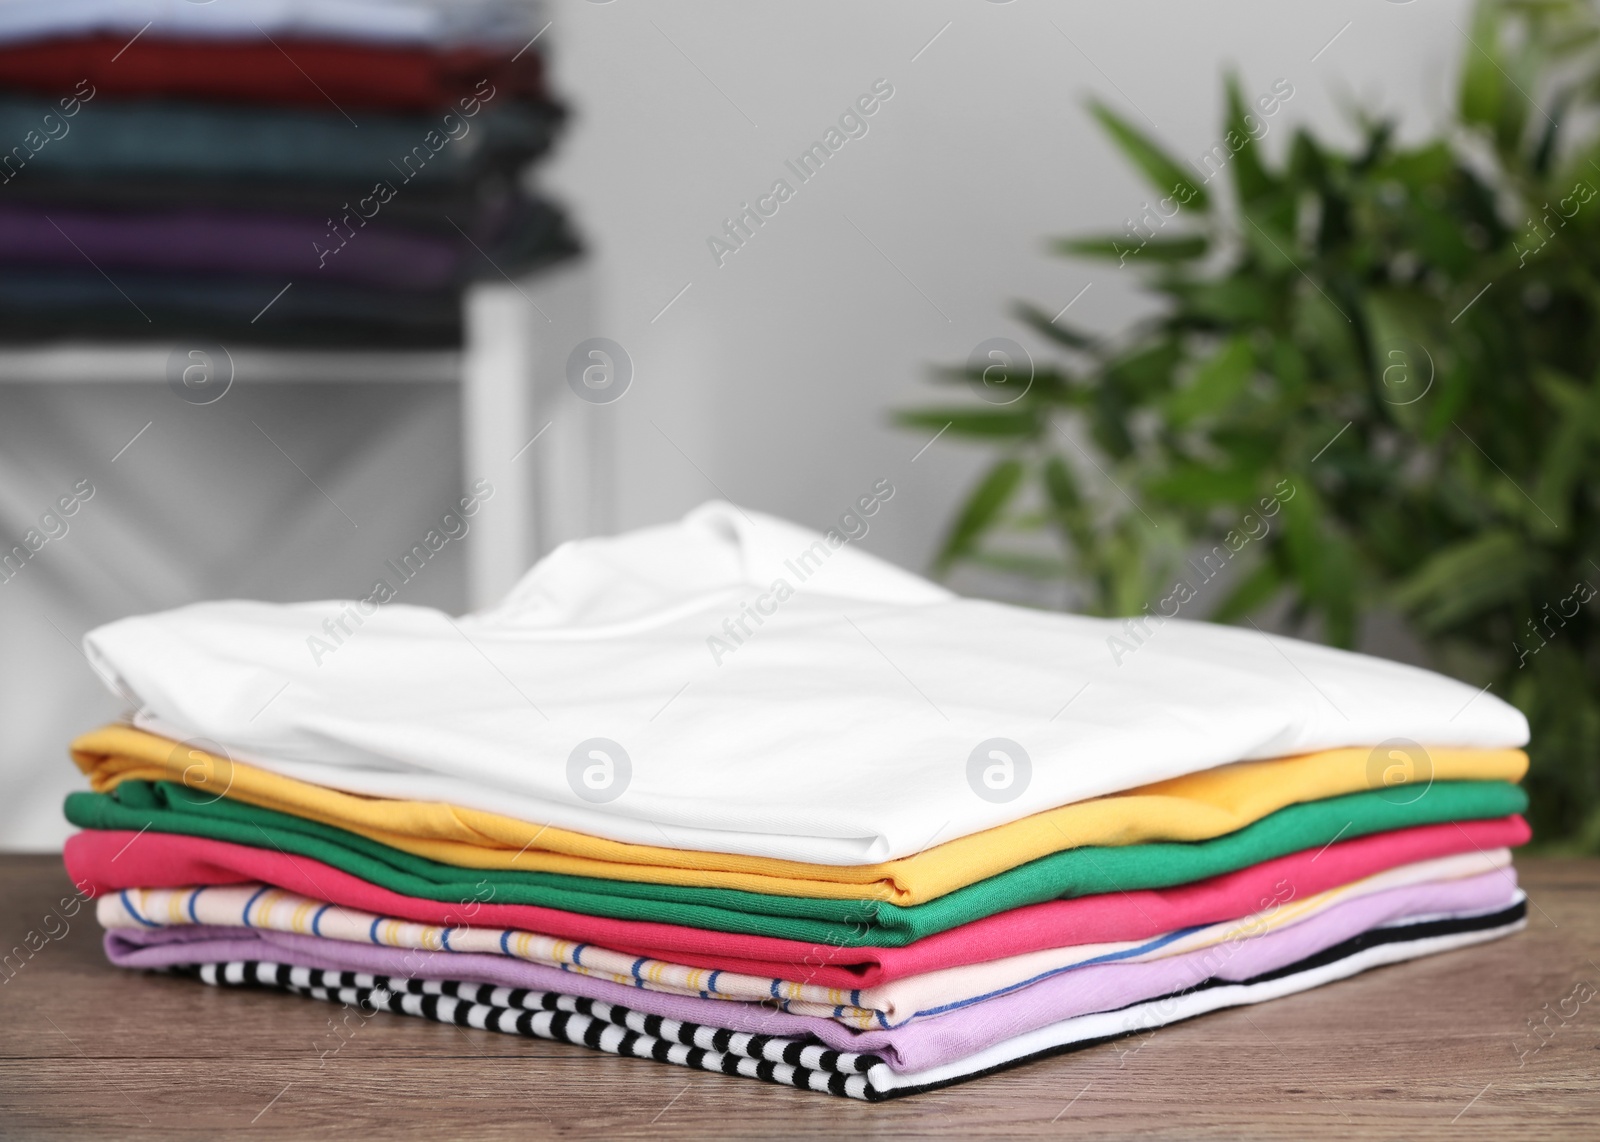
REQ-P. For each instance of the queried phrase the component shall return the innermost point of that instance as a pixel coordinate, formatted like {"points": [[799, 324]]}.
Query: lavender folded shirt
{"points": [[232, 242], [911, 1047]]}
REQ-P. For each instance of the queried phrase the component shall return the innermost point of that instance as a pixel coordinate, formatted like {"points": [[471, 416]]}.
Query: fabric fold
{"points": [[950, 1041], [173, 138], [795, 737], [1073, 873], [933, 993], [1195, 807], [110, 861], [299, 72]]}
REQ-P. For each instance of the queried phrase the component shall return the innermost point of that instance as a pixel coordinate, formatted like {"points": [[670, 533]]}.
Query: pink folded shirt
{"points": [[107, 860]]}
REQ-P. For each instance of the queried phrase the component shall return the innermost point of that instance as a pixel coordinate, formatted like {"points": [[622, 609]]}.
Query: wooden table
{"points": [[1440, 1047]]}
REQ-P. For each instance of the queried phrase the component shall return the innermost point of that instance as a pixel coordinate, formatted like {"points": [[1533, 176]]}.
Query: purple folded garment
{"points": [[232, 242], [913, 1046]]}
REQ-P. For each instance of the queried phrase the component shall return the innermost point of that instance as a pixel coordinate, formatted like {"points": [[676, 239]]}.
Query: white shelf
{"points": [[146, 362], [512, 374]]}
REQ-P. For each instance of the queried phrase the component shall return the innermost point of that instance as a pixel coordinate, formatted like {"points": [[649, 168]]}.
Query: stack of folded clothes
{"points": [[265, 172], [737, 796]]}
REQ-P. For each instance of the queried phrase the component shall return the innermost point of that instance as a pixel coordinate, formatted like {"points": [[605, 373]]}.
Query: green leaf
{"points": [[1112, 247], [1288, 367], [1404, 369], [1041, 384], [1479, 101], [1108, 419], [980, 512], [1250, 178], [1467, 578], [1127, 248], [1272, 247], [1041, 322], [1340, 608], [1062, 487], [1217, 383], [1569, 447], [1146, 370], [1321, 560], [1165, 175], [1491, 88], [1545, 152], [1073, 516], [1196, 485], [1309, 164], [1247, 299]]}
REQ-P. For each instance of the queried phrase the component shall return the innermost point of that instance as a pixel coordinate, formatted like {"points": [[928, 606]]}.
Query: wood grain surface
{"points": [[1491, 1042]]}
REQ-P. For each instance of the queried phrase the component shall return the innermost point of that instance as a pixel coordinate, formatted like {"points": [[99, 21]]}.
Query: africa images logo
{"points": [[999, 770], [599, 770], [1400, 771]]}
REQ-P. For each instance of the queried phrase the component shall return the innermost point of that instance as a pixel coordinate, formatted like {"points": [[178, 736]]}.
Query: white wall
{"points": [[776, 373]]}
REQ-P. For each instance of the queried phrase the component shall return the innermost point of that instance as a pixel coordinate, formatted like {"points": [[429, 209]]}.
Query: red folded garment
{"points": [[289, 72], [108, 860]]}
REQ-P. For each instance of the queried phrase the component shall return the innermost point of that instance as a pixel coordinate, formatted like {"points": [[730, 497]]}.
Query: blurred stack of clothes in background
{"points": [[267, 171]]}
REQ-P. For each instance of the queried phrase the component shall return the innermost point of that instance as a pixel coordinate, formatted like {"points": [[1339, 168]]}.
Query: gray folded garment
{"points": [[45, 304], [143, 137]]}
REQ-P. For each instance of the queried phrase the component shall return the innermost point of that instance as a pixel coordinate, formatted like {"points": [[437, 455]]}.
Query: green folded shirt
{"points": [[165, 807]]}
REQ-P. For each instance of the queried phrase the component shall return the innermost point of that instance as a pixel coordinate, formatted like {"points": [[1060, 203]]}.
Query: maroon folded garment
{"points": [[291, 72], [234, 242]]}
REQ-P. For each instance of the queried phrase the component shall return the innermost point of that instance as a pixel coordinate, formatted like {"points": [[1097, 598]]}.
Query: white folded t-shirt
{"points": [[738, 684]]}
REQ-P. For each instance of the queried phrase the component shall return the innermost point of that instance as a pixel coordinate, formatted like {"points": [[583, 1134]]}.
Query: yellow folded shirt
{"points": [[1191, 808]]}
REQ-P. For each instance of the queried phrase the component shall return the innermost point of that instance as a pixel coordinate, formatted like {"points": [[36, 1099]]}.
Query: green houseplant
{"points": [[1396, 346]]}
